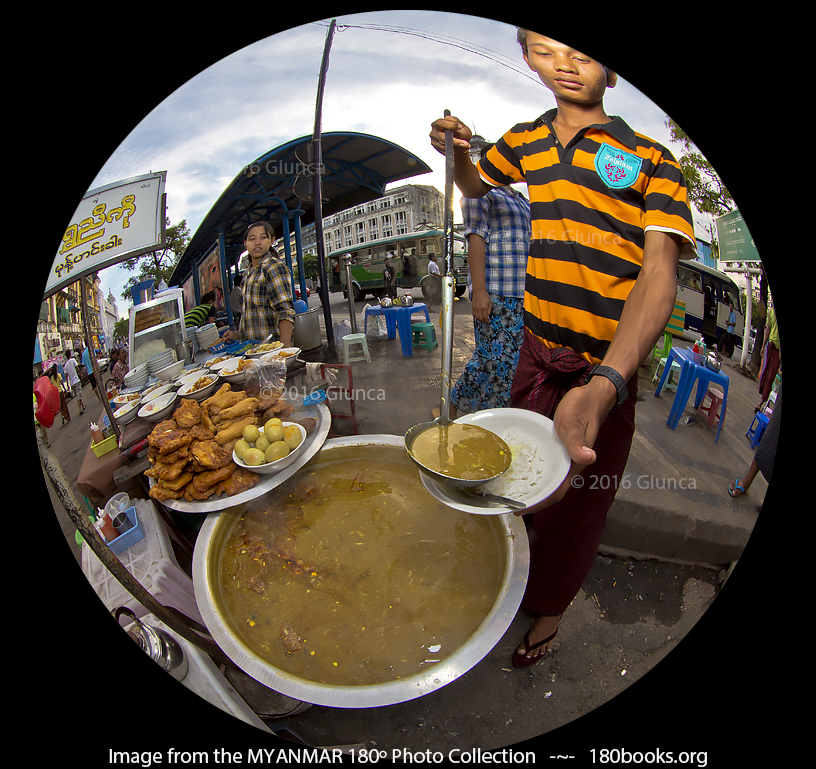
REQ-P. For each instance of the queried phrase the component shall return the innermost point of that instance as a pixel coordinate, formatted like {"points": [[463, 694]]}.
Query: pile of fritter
{"points": [[191, 453]]}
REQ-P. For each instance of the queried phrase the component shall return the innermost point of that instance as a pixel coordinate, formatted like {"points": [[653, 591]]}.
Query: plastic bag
{"points": [[266, 376], [48, 401], [341, 328], [376, 329]]}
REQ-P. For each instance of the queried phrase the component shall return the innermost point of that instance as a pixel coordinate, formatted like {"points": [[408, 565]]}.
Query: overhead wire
{"points": [[464, 45]]}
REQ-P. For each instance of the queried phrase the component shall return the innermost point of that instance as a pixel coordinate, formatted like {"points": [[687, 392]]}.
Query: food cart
{"points": [[159, 322]]}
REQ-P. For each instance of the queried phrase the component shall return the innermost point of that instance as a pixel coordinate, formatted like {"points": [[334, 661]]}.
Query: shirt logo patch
{"points": [[617, 168]]}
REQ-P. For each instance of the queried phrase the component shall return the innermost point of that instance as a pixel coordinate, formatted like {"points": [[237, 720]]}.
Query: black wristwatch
{"points": [[614, 377]]}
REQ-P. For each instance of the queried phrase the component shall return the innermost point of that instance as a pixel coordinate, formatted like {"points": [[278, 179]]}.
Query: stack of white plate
{"points": [[137, 377], [207, 336], [158, 362]]}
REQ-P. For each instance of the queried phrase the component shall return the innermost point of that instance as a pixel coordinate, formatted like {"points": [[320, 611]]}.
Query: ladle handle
{"points": [[446, 315]]}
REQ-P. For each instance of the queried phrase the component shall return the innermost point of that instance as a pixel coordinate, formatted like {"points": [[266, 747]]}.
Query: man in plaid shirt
{"points": [[497, 227]]}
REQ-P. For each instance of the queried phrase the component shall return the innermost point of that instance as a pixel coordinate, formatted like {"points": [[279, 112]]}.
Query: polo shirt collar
{"points": [[617, 127]]}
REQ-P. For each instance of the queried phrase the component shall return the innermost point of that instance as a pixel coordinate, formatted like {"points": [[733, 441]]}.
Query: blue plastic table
{"points": [[398, 319], [692, 369]]}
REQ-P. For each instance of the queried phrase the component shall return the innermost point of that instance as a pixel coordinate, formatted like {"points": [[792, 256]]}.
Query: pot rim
{"points": [[467, 656]]}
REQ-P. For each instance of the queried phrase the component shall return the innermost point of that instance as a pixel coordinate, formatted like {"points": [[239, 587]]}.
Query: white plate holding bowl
{"points": [[158, 408], [288, 354], [126, 413], [250, 354], [535, 432], [274, 467], [170, 372], [127, 398], [230, 361], [156, 390], [237, 377], [186, 390]]}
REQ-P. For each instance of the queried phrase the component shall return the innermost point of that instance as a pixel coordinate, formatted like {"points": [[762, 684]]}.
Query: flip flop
{"points": [[737, 487], [522, 660]]}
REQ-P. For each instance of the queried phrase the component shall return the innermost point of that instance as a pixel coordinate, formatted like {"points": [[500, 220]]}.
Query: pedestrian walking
{"points": [[74, 382]]}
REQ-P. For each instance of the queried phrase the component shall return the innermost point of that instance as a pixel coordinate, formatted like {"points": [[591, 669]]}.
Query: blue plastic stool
{"points": [[757, 429]]}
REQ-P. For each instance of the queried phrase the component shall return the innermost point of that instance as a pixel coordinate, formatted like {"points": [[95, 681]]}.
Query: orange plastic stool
{"points": [[712, 409]]}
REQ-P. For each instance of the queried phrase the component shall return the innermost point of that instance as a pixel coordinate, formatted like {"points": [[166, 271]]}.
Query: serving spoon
{"points": [[511, 503]]}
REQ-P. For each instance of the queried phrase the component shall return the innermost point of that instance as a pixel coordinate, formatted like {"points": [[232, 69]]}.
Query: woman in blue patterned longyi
{"points": [[497, 228]]}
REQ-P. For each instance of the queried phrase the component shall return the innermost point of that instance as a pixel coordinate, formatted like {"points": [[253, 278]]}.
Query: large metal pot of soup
{"points": [[350, 586]]}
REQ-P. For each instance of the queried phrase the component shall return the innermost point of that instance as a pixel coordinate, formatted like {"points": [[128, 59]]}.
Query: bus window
{"points": [[380, 253], [408, 258], [688, 278], [408, 248], [429, 246]]}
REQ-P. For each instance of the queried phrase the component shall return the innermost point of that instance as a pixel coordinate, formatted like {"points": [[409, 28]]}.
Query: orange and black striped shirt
{"points": [[591, 204]]}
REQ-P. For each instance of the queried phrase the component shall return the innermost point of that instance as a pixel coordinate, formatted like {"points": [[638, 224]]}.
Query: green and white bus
{"points": [[408, 255]]}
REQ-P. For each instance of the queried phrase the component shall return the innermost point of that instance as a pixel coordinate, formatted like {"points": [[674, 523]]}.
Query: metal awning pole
{"points": [[318, 192], [86, 321]]}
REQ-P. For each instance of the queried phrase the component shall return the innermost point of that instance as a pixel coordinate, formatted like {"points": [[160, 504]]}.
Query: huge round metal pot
{"points": [[205, 579]]}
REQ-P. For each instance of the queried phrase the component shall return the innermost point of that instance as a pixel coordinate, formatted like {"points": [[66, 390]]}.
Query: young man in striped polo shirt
{"points": [[610, 218]]}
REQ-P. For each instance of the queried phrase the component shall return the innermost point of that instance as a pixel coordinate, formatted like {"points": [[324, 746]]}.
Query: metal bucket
{"points": [[511, 590], [307, 330]]}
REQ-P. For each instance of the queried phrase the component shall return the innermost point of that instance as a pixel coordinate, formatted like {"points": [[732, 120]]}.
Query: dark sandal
{"points": [[522, 660]]}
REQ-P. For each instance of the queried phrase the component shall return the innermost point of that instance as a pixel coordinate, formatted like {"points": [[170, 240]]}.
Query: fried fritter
{"points": [[211, 477], [241, 480], [308, 424], [205, 484], [172, 440], [170, 489], [167, 470], [223, 399], [188, 414], [281, 410], [160, 493], [240, 409], [201, 433], [229, 432], [210, 455]]}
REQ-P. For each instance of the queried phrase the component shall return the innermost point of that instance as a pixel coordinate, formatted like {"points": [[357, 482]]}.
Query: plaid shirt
{"points": [[268, 299], [502, 218]]}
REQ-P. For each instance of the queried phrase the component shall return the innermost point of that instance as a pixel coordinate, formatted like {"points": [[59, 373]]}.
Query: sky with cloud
{"points": [[390, 74]]}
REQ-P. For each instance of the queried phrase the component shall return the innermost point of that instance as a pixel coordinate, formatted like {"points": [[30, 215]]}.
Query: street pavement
{"points": [[664, 558]]}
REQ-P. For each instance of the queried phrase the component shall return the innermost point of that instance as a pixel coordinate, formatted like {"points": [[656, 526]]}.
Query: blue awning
{"points": [[278, 186]]}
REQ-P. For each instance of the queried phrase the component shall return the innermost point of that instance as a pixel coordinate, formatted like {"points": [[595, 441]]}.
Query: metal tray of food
{"points": [[312, 444]]}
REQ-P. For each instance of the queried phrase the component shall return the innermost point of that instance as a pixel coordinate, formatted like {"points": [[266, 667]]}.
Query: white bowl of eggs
{"points": [[269, 449]]}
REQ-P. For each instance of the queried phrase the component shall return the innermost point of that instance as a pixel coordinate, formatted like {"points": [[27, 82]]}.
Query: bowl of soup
{"points": [[349, 585]]}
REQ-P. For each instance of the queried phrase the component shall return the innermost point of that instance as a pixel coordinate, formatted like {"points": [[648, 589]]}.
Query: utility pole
{"points": [[317, 155]]}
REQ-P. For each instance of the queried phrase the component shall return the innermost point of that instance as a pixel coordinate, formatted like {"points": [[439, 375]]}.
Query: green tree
{"points": [[705, 188], [160, 264], [121, 328], [709, 195]]}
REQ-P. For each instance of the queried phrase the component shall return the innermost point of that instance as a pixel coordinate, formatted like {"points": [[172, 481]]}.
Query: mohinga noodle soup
{"points": [[351, 573]]}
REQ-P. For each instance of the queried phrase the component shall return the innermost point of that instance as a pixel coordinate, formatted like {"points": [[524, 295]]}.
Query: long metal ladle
{"points": [[446, 321]]}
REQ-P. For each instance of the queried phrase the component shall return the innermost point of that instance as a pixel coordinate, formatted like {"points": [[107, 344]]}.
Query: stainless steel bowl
{"points": [[210, 541]]}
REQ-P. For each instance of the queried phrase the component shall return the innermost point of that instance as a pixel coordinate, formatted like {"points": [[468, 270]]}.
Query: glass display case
{"points": [[156, 326]]}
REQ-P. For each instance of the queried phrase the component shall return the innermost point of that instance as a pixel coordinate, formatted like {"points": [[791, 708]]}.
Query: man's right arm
{"points": [[465, 174]]}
